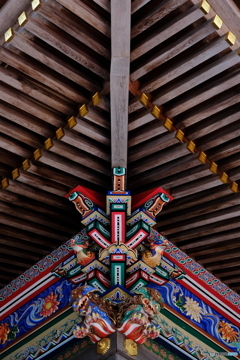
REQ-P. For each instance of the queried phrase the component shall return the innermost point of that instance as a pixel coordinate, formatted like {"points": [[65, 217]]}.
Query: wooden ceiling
{"points": [[183, 133]]}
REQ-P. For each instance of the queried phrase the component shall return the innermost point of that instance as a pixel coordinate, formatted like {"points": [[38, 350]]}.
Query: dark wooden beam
{"points": [[119, 84]]}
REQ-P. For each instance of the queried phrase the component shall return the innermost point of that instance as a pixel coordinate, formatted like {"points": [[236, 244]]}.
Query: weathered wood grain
{"points": [[92, 131], [138, 4]]}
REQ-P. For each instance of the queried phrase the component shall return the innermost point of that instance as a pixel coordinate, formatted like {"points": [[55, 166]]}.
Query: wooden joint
{"points": [[60, 133], [202, 157], [37, 154], [144, 99], [9, 35], [217, 22], [83, 110], [26, 165], [168, 124], [224, 178], [213, 167], [96, 98], [72, 122], [230, 38], [191, 146], [23, 18], [36, 4], [156, 112], [48, 144], [15, 174], [234, 187], [205, 7], [180, 135], [5, 183]]}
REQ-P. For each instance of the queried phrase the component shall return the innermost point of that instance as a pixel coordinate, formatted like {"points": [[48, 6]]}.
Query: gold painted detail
{"points": [[96, 98], [83, 110], [9, 35], [202, 157], [213, 167], [191, 146], [168, 124], [103, 346], [130, 347], [15, 174], [205, 7], [217, 22], [5, 183], [48, 144], [180, 135], [143, 99], [26, 164], [72, 122], [156, 111], [231, 38], [224, 178], [23, 18], [36, 4], [37, 154], [60, 133], [234, 187]]}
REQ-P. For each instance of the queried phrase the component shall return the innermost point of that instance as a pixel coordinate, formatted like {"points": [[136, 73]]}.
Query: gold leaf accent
{"points": [[180, 135], [143, 99], [191, 146], [168, 124], [231, 38], [234, 187], [4, 183], [96, 98], [36, 4], [217, 22], [130, 347], [213, 167], [72, 122], [156, 111], [23, 18], [9, 35], [83, 110], [15, 174], [103, 346], [26, 164], [37, 154], [224, 178], [60, 133], [202, 157], [205, 7], [48, 144]]}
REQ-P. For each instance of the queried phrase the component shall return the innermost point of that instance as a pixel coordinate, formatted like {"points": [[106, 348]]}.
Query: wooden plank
{"points": [[197, 78], [141, 119], [92, 131], [180, 67], [138, 4], [223, 265], [33, 90], [14, 146], [42, 73], [227, 272], [29, 122], [10, 12], [74, 27], [205, 93], [87, 14], [232, 280], [206, 259], [30, 107], [225, 150], [97, 118], [157, 13], [230, 245], [85, 144], [174, 26], [105, 4], [174, 49], [119, 84], [60, 41], [146, 133]]}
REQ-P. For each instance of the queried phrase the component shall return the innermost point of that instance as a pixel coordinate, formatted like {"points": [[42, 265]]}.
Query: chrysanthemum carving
{"points": [[50, 305]]}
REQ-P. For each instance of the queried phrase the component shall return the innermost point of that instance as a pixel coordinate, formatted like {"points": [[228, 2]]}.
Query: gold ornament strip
{"points": [[180, 135], [83, 110], [156, 111], [224, 178], [191, 146], [72, 122], [26, 164], [37, 154], [213, 167], [202, 157], [48, 144], [36, 4], [23, 18], [217, 22], [5, 183], [96, 98], [60, 133], [15, 174], [234, 187], [168, 124], [143, 99], [231, 38], [9, 35], [205, 7]]}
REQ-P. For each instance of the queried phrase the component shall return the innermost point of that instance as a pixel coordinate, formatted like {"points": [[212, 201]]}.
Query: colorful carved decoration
{"points": [[126, 257]]}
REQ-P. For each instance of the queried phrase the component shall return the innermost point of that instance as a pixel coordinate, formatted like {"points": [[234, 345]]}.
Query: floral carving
{"points": [[227, 332], [193, 309], [50, 305]]}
